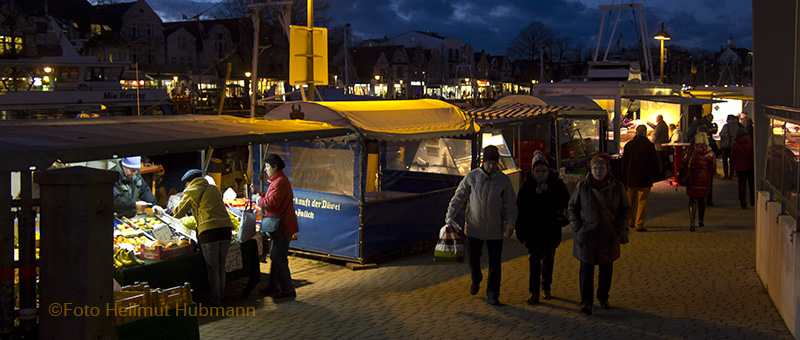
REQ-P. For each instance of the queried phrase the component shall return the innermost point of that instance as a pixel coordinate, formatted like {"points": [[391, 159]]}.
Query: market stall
{"points": [[567, 129], [353, 195], [76, 207]]}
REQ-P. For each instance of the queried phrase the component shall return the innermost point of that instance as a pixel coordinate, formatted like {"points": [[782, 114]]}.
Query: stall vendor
{"points": [[131, 192]]}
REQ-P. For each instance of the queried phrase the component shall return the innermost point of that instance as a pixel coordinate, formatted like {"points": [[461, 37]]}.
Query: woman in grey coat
{"points": [[598, 212]]}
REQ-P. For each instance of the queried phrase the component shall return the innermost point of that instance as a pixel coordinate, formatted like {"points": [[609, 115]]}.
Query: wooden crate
{"points": [[129, 306], [171, 297], [162, 253]]}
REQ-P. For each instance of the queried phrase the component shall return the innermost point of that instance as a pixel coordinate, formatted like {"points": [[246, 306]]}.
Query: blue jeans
{"points": [[474, 251], [215, 254], [279, 276]]}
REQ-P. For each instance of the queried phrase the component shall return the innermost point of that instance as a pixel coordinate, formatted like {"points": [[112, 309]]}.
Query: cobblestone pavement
{"points": [[668, 284]]}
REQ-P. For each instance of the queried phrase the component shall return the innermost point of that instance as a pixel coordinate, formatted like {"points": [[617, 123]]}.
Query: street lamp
{"points": [[662, 35]]}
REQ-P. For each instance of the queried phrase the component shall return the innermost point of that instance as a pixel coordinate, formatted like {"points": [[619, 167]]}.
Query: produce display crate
{"points": [[171, 297], [163, 253], [144, 288], [126, 303]]}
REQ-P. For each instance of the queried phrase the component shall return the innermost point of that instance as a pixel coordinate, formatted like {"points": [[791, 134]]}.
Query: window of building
{"points": [[411, 38], [10, 45]]}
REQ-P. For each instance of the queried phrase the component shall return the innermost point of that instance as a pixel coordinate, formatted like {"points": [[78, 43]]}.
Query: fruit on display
{"points": [[189, 222], [125, 258]]}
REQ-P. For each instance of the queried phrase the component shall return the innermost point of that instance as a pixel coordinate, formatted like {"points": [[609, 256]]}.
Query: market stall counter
{"points": [[191, 268]]}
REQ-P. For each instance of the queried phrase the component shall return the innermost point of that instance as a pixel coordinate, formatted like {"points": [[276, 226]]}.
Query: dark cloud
{"points": [[491, 25]]}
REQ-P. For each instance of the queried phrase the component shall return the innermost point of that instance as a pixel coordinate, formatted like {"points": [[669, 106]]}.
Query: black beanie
{"points": [[490, 153], [190, 175]]}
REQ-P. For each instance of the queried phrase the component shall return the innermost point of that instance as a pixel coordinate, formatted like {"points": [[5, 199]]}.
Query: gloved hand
{"points": [[453, 224], [158, 211], [142, 205]]}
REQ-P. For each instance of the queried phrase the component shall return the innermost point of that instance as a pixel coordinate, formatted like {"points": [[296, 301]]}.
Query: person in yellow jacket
{"points": [[213, 227]]}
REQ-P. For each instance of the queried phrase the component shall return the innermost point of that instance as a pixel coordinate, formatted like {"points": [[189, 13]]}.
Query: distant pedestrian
{"points": [[726, 140], [598, 212], [541, 203], [742, 163], [703, 164], [675, 134], [640, 168], [661, 136], [491, 215]]}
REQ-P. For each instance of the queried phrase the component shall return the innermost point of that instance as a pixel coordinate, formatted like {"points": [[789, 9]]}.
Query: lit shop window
{"points": [[10, 45]]}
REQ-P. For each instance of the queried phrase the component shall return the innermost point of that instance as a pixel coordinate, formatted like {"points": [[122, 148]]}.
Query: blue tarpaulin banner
{"points": [[328, 223]]}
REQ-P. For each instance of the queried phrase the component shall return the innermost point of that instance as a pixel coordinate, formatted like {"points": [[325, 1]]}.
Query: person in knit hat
{"points": [[131, 192], [491, 216], [541, 203], [598, 213]]}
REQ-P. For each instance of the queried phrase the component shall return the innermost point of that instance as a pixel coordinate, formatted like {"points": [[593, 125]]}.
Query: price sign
{"points": [[162, 233]]}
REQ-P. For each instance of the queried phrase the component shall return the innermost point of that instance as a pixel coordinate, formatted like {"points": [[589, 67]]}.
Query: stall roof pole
{"points": [[6, 257], [27, 255]]}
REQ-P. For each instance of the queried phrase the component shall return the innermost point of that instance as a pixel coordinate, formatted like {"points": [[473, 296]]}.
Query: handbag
{"points": [[685, 173], [272, 227]]}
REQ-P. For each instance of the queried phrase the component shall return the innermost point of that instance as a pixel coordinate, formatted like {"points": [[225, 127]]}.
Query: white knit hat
{"points": [[133, 162]]}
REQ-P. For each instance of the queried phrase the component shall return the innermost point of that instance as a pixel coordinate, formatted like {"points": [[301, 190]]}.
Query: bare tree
{"points": [[530, 40]]}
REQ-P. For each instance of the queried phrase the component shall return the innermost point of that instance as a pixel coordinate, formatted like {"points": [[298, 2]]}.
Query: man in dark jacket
{"points": [[661, 136], [131, 192], [640, 167]]}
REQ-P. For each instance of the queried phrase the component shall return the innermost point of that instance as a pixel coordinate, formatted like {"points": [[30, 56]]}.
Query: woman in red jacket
{"points": [[700, 157], [279, 202], [742, 163]]}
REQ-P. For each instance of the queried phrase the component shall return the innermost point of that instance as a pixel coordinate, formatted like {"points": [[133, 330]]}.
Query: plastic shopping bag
{"points": [[450, 247]]}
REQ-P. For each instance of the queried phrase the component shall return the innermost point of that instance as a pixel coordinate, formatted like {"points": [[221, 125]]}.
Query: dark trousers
{"points": [[726, 155], [746, 181], [474, 251], [587, 282], [709, 200], [541, 265], [279, 275]]}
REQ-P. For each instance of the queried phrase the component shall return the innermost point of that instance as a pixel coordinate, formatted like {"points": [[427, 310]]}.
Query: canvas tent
{"points": [[353, 197]]}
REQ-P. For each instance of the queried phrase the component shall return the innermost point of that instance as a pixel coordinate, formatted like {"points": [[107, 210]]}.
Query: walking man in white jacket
{"points": [[491, 215]]}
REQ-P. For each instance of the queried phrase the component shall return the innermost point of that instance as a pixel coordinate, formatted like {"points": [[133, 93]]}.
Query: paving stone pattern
{"points": [[668, 284]]}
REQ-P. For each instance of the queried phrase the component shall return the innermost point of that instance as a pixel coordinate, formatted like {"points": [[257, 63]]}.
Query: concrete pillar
{"points": [[75, 264]]}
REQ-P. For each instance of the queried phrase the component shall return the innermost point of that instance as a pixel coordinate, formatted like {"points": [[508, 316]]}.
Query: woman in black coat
{"points": [[541, 202]]}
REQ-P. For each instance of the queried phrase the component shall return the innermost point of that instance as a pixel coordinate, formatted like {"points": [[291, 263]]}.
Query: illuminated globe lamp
{"points": [[662, 35]]}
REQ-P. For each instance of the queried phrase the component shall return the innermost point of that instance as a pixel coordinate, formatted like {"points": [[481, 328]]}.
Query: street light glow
{"points": [[662, 34]]}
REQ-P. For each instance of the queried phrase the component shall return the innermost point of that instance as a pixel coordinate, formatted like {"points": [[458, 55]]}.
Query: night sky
{"points": [[490, 25]]}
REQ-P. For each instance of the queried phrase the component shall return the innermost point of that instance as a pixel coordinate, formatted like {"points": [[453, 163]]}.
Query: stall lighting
{"points": [[46, 78], [141, 83], [247, 74], [47, 69], [175, 79]]}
